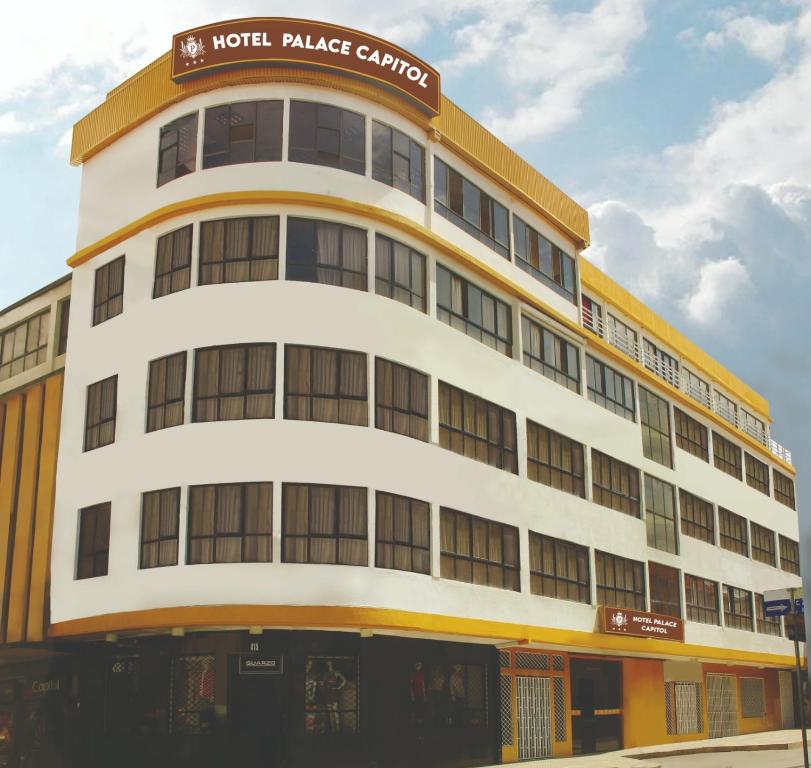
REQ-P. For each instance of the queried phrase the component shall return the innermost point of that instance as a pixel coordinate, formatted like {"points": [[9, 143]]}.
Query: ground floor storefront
{"points": [[295, 698]]}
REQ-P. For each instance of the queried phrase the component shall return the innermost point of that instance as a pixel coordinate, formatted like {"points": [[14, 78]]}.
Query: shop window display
{"points": [[192, 694], [331, 694]]}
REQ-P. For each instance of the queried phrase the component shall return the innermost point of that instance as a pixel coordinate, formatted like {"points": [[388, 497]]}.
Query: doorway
{"points": [[596, 705], [255, 718], [534, 718]]}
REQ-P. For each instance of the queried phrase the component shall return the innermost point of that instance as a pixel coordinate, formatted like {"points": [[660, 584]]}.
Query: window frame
{"points": [[391, 285], [177, 125], [393, 410], [697, 517], [527, 247], [534, 355], [601, 397], [312, 155], [257, 265], [627, 473], [734, 618], [102, 420], [763, 545], [493, 528], [657, 442], [661, 603], [724, 452], [691, 435], [638, 590], [275, 145], [63, 326], [507, 457], [784, 489], [555, 464], [166, 402], [161, 538], [734, 524], [184, 266], [660, 363], [416, 182], [699, 610], [543, 575], [757, 473], [8, 341], [657, 521], [99, 554], [102, 310], [766, 625], [395, 542], [335, 534], [789, 561]]}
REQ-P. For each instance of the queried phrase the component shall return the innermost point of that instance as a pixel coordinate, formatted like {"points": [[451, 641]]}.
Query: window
{"points": [[193, 688], [697, 517], [691, 435], [478, 551], [99, 425], [167, 392], [757, 474], [544, 260], [684, 704], [592, 314], [696, 387], [476, 428], [331, 699], [766, 625], [325, 385], [177, 150], [94, 541], [734, 535], [662, 364], [726, 409], [399, 273], [239, 250], [610, 389], [623, 337], [620, 582], [701, 596], [234, 382], [321, 134], [402, 533], [245, 132], [401, 400], [753, 698], [754, 426], [324, 524], [160, 514], [763, 545], [549, 354], [558, 569], [24, 346], [173, 262], [398, 160], [322, 252], [62, 328], [784, 489], [464, 204], [665, 590], [737, 608], [654, 417], [471, 310], [726, 455], [789, 555], [230, 523], [555, 460], [108, 297], [660, 515], [614, 484]]}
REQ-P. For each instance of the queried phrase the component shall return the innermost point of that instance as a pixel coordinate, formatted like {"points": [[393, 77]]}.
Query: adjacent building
{"points": [[359, 460]]}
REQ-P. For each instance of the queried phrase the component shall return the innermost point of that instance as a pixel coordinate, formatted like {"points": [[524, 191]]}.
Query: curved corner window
{"points": [[321, 134], [245, 132], [544, 260], [177, 150], [398, 160]]}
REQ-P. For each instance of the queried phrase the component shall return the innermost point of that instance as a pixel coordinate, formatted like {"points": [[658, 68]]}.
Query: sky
{"points": [[681, 125]]}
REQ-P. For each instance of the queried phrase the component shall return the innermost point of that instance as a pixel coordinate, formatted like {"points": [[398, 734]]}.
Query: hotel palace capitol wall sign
{"points": [[621, 621], [295, 41]]}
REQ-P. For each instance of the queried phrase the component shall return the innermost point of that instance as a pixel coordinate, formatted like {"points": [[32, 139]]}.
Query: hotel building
{"points": [[359, 460]]}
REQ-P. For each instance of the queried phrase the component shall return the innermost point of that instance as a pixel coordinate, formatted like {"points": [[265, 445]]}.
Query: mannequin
{"points": [[333, 683], [417, 690], [457, 691]]}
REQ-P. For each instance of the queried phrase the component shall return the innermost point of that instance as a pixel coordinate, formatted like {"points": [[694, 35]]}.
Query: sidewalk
{"points": [[646, 757]]}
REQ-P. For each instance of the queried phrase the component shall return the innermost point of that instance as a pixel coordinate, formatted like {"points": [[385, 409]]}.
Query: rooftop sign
{"points": [[246, 42]]}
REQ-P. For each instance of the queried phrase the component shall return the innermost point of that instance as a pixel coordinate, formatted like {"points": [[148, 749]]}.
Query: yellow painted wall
{"points": [[772, 720], [29, 436]]}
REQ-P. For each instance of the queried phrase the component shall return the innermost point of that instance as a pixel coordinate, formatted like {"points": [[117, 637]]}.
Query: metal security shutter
{"points": [[534, 718], [688, 703], [722, 705], [786, 698], [753, 697], [506, 691]]}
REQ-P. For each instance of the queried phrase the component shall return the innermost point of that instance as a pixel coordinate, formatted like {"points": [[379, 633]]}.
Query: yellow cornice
{"points": [[343, 617], [152, 90], [425, 235]]}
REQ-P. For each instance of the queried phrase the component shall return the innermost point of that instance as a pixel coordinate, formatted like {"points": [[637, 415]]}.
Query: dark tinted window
{"points": [[321, 134], [398, 160], [177, 152], [323, 252], [245, 132]]}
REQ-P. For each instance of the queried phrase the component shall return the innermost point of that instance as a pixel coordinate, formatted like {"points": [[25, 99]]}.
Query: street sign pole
{"points": [[798, 672]]}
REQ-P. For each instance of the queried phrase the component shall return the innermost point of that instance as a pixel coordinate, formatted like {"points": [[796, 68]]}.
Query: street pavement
{"points": [[771, 758]]}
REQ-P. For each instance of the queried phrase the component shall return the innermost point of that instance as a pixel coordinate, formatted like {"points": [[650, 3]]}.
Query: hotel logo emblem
{"points": [[619, 620], [192, 48]]}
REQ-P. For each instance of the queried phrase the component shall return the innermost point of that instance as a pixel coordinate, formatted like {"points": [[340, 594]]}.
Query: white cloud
{"points": [[760, 37], [10, 125], [718, 283]]}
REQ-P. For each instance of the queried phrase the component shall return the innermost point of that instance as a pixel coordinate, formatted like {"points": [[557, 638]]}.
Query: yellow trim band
{"points": [[420, 232], [344, 617]]}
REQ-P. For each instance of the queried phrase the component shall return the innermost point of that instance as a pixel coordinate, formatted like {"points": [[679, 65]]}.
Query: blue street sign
{"points": [[777, 607], [799, 606]]}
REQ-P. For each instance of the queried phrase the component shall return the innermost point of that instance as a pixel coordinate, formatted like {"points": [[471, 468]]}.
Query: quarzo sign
{"points": [[621, 621], [249, 42]]}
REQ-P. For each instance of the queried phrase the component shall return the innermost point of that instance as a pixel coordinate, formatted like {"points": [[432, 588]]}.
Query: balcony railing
{"points": [[631, 348]]}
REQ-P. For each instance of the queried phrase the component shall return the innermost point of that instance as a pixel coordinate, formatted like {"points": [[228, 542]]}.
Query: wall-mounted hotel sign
{"points": [[621, 621], [249, 42]]}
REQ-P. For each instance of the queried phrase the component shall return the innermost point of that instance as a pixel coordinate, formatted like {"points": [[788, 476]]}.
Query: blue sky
{"points": [[680, 124]]}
